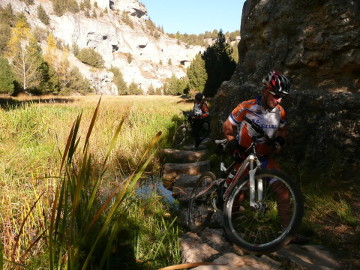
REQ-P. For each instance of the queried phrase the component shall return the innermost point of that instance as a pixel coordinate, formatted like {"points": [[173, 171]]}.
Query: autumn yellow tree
{"points": [[25, 55], [51, 48], [63, 69]]}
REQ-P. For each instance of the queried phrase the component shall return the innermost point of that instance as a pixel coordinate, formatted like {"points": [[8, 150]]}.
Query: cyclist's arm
{"points": [[228, 129], [205, 110], [281, 132]]}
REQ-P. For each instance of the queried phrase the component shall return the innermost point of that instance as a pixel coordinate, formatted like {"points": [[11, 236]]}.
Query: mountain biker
{"points": [[267, 112], [200, 114]]}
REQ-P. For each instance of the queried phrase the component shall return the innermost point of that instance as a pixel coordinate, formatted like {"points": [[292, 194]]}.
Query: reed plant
{"points": [[79, 226]]}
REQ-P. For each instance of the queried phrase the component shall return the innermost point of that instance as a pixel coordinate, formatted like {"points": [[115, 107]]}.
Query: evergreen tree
{"points": [[7, 16], [196, 73], [218, 63], [76, 83], [59, 7], [73, 6], [134, 89], [43, 17], [119, 81], [49, 80], [175, 86], [151, 90], [6, 77], [5, 32]]}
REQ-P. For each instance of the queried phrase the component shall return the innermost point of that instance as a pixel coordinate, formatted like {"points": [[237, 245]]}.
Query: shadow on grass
{"points": [[9, 103]]}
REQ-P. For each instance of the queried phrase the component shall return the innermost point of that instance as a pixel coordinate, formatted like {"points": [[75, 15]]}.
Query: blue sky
{"points": [[195, 16]]}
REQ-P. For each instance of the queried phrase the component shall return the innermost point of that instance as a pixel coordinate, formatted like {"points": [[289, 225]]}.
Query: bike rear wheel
{"points": [[180, 135], [202, 203], [269, 226]]}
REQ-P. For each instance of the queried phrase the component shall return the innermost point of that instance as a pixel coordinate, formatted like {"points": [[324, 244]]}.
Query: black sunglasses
{"points": [[276, 96]]}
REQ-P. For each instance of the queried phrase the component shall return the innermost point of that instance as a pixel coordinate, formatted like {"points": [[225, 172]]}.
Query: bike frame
{"points": [[253, 163]]}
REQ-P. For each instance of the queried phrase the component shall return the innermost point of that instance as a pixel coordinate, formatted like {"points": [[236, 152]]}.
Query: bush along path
{"points": [[180, 172]]}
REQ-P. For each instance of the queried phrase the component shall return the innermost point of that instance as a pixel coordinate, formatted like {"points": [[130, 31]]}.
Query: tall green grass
{"points": [[81, 224]]}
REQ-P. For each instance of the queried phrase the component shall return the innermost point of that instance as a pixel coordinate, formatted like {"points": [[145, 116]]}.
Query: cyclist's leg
{"points": [[282, 195], [196, 130]]}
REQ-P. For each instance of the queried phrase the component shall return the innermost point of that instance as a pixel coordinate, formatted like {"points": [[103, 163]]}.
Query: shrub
{"points": [[91, 57], [127, 20]]}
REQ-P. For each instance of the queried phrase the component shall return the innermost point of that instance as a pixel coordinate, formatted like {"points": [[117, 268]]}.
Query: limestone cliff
{"points": [[316, 43], [144, 56]]}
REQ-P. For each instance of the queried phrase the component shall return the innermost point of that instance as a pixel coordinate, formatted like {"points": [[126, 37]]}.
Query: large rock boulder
{"points": [[317, 45], [315, 42]]}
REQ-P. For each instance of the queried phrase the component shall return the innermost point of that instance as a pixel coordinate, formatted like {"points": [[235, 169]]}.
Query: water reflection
{"points": [[154, 185]]}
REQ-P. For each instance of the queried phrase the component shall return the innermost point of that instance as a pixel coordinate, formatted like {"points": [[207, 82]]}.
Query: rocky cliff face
{"points": [[145, 56], [316, 42], [317, 45]]}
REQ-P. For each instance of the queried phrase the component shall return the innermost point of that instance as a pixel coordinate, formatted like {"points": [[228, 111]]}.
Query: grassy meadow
{"points": [[66, 176], [68, 168]]}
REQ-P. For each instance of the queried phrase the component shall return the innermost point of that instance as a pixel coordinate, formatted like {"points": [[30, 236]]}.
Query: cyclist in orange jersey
{"points": [[200, 113], [267, 112]]}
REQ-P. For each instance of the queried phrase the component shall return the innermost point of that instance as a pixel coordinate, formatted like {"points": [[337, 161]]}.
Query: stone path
{"points": [[180, 173]]}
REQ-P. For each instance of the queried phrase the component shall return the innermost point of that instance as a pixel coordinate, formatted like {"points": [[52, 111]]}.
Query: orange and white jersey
{"points": [[201, 108], [269, 120]]}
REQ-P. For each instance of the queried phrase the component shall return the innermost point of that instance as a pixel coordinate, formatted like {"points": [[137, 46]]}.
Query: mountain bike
{"points": [[262, 208], [184, 131]]}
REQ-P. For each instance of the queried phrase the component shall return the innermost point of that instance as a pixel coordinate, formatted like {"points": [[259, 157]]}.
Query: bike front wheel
{"points": [[269, 224], [202, 203], [180, 135]]}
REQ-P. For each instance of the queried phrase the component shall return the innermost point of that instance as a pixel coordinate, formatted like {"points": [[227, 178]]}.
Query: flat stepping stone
{"points": [[172, 170], [211, 245], [185, 180], [312, 257], [203, 145], [175, 155]]}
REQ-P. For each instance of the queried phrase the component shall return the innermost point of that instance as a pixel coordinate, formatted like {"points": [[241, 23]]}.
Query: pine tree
{"points": [[119, 80], [7, 15], [134, 89], [218, 63], [6, 77], [49, 80], [196, 73], [5, 32], [43, 17], [175, 86]]}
